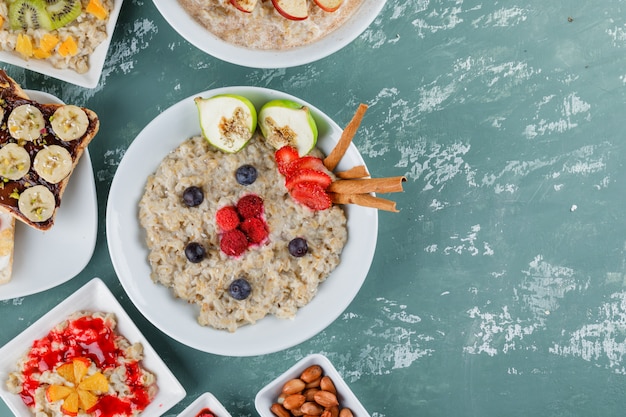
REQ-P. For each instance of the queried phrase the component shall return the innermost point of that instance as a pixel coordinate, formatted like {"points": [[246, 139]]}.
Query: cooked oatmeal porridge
{"points": [[83, 367], [68, 47], [279, 283], [265, 28]]}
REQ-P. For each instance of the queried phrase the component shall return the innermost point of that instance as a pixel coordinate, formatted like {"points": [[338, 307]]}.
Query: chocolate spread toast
{"points": [[40, 145]]}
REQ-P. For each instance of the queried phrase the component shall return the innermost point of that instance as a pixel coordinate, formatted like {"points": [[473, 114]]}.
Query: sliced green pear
{"points": [[285, 122], [228, 121]]}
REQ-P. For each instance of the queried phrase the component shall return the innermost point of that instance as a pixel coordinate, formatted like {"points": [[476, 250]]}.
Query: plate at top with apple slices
{"points": [[281, 28]]}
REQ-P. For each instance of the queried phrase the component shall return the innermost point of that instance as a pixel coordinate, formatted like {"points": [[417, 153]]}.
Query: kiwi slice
{"points": [[62, 12], [29, 14]]}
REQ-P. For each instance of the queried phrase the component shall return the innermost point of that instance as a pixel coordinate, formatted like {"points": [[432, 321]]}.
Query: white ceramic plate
{"points": [[93, 296], [96, 62], [206, 400], [177, 318], [64, 250], [201, 38], [269, 394]]}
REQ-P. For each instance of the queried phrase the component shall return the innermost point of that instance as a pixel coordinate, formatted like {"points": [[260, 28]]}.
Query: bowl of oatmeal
{"points": [[86, 356], [264, 38], [74, 53], [194, 308]]}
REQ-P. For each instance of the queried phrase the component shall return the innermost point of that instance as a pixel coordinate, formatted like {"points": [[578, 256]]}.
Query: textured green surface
{"points": [[499, 287]]}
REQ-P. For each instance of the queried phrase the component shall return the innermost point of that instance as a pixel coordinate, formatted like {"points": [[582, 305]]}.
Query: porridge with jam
{"points": [[264, 27]]}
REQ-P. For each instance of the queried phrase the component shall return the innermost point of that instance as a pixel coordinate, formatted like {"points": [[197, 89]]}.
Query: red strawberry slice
{"points": [[305, 162], [308, 175], [311, 195], [284, 156]]}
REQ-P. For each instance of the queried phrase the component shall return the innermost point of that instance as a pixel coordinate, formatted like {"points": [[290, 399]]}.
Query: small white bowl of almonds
{"points": [[310, 387]]}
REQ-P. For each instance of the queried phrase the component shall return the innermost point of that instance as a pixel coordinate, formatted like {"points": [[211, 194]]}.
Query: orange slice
{"points": [[58, 392], [86, 399], [70, 405], [96, 8], [67, 372]]}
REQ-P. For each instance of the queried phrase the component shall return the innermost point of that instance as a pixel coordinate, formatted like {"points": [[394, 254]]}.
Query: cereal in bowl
{"points": [[84, 368]]}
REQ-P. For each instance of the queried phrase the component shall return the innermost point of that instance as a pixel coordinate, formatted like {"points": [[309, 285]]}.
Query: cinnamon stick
{"points": [[367, 185], [344, 141], [358, 171], [365, 200]]}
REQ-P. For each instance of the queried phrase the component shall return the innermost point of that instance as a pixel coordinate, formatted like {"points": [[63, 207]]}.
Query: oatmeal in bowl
{"points": [[272, 34]]}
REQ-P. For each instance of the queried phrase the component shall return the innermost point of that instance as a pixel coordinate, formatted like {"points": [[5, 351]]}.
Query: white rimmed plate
{"points": [[206, 400], [269, 393], [201, 38], [176, 317], [96, 61], [63, 251], [93, 296]]}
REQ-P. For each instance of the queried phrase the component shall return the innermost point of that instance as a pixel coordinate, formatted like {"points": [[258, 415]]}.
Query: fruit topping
{"points": [[14, 161], [311, 195], [292, 9], [227, 121], [227, 218], [284, 156], [250, 205], [96, 8], [244, 5], [246, 174], [195, 252], [26, 122], [305, 162], [298, 247], [37, 203], [234, 242], [53, 163], [329, 5], [255, 229], [285, 122], [69, 122], [29, 14], [193, 196], [308, 175], [239, 289], [62, 12]]}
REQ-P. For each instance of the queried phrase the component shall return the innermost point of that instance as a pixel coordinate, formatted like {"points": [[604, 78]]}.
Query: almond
{"points": [[293, 401], [311, 373], [326, 384], [345, 412], [293, 386], [312, 408], [279, 410], [325, 399], [314, 384]]}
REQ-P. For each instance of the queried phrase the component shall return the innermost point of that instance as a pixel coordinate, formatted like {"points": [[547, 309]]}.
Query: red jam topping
{"points": [[205, 413], [93, 338]]}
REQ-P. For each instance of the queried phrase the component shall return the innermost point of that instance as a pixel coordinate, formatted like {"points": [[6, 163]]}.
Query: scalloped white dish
{"points": [[269, 393], [177, 318], [93, 296], [65, 249], [89, 79], [201, 38], [203, 402]]}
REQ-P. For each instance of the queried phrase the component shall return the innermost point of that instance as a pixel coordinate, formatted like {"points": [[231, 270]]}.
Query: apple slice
{"points": [[285, 122], [244, 5], [329, 5], [292, 9], [228, 121]]}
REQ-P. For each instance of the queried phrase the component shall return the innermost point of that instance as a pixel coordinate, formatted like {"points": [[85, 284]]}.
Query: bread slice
{"points": [[13, 191], [7, 244]]}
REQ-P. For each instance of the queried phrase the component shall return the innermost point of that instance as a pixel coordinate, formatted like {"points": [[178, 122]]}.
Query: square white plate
{"points": [[206, 400], [269, 394], [96, 62], [93, 296]]}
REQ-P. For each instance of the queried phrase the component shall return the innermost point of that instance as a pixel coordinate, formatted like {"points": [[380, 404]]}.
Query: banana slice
{"points": [[14, 161], [37, 203], [26, 122], [53, 163], [69, 122]]}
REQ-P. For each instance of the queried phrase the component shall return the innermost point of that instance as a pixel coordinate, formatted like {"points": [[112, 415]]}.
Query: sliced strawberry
{"points": [[305, 162], [284, 156], [308, 175], [311, 195]]}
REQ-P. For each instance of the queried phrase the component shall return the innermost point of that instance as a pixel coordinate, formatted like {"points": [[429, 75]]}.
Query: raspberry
{"points": [[255, 229], [234, 242], [311, 195], [250, 205], [227, 218]]}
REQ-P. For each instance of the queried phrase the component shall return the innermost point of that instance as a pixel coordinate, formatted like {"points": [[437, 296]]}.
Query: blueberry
{"points": [[193, 196], [195, 252], [246, 174], [240, 289], [298, 247]]}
